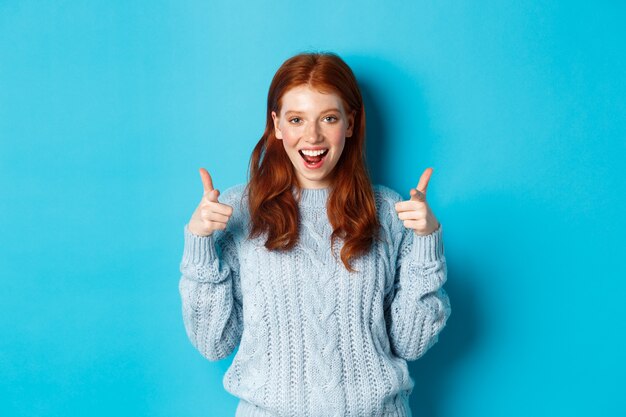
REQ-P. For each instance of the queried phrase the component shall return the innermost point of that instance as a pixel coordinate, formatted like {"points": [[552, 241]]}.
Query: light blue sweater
{"points": [[314, 339]]}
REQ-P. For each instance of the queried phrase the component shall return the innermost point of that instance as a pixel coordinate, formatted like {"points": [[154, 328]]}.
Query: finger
{"points": [[423, 182], [412, 215], [417, 225], [409, 205], [211, 196], [213, 225], [216, 217], [207, 181], [224, 209], [417, 195]]}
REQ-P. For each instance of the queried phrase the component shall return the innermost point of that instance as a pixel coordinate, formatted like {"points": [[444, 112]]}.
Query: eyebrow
{"points": [[323, 111]]}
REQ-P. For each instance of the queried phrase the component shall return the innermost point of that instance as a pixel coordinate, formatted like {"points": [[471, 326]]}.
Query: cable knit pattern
{"points": [[315, 339]]}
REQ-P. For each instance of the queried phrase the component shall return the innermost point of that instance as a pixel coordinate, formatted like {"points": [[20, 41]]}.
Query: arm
{"points": [[417, 307], [211, 293]]}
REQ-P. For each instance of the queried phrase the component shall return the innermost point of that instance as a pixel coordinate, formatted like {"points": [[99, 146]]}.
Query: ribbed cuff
{"points": [[198, 250], [428, 248]]}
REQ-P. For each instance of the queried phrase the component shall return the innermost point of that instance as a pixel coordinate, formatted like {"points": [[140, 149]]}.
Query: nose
{"points": [[313, 133]]}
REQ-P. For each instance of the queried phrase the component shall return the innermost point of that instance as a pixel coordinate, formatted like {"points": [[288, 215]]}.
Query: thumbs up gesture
{"points": [[210, 215], [415, 212]]}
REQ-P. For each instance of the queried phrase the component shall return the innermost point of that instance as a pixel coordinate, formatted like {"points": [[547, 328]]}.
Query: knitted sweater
{"points": [[314, 339]]}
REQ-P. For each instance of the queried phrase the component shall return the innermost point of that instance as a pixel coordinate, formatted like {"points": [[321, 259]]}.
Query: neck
{"points": [[313, 197]]}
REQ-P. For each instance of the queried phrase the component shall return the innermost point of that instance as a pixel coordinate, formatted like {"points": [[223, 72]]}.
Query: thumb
{"points": [[212, 195], [207, 182]]}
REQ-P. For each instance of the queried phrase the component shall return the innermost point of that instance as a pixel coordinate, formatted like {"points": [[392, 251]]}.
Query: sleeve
{"points": [[211, 294], [417, 307]]}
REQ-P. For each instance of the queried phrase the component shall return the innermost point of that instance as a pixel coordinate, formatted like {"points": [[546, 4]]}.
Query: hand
{"points": [[415, 212], [210, 215]]}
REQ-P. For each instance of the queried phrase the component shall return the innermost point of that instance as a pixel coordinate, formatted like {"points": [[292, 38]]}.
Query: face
{"points": [[313, 127]]}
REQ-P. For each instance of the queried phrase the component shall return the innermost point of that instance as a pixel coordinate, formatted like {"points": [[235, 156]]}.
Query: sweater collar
{"points": [[313, 197]]}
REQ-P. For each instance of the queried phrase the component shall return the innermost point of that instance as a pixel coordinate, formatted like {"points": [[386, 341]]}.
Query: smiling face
{"points": [[313, 127]]}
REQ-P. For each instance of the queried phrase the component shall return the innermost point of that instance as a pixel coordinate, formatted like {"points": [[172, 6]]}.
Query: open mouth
{"points": [[313, 161]]}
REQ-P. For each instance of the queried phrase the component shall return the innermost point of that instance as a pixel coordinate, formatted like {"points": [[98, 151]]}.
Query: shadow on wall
{"points": [[433, 371], [398, 127], [392, 98]]}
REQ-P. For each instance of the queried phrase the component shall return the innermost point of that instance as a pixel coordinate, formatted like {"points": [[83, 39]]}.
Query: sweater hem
{"points": [[247, 409]]}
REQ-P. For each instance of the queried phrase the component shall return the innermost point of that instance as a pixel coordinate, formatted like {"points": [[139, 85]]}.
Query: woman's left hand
{"points": [[415, 212]]}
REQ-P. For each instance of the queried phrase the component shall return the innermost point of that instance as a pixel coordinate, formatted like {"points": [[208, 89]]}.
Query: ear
{"points": [[350, 128], [277, 132]]}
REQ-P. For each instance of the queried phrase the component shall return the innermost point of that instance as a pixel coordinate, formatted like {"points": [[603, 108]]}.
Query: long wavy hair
{"points": [[272, 180]]}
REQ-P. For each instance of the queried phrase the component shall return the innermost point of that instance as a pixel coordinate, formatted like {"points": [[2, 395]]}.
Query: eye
{"points": [[294, 120], [332, 118]]}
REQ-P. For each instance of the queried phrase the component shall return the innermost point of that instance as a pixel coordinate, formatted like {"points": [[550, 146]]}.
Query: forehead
{"points": [[306, 99]]}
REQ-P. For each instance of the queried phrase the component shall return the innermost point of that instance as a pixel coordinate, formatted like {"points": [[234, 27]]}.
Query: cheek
{"points": [[290, 142], [337, 138], [290, 135]]}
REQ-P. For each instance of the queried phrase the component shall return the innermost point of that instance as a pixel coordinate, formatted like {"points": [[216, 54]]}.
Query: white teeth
{"points": [[313, 153]]}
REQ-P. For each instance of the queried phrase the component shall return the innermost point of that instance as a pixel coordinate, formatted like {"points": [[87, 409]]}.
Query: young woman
{"points": [[327, 283]]}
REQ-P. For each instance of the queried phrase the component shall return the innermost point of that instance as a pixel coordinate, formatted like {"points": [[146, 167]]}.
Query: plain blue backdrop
{"points": [[108, 109]]}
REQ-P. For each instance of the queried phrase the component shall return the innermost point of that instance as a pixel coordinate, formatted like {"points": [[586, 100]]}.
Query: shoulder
{"points": [[236, 196], [386, 199], [386, 194]]}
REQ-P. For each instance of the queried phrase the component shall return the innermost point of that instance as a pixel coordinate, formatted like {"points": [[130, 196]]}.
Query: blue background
{"points": [[108, 109]]}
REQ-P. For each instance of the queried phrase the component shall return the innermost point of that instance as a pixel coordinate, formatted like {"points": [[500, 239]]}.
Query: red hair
{"points": [[351, 206]]}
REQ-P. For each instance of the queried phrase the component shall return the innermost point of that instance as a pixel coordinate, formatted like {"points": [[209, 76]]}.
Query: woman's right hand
{"points": [[210, 215]]}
